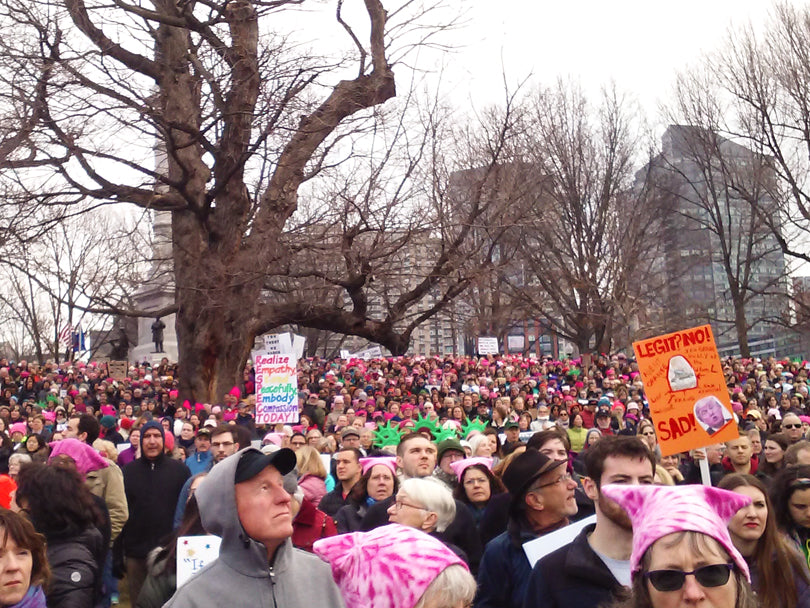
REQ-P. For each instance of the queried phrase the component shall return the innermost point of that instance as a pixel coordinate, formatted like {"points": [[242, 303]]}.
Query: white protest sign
{"points": [[487, 346], [276, 389], [193, 554], [515, 342], [375, 352], [298, 346], [278, 344], [344, 354], [540, 547]]}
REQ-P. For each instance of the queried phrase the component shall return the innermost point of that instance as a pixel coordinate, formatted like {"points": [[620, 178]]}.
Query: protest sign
{"points": [[685, 386], [373, 352], [538, 548], [276, 389], [117, 369], [298, 346], [193, 554], [344, 354], [278, 344], [487, 346], [515, 343]]}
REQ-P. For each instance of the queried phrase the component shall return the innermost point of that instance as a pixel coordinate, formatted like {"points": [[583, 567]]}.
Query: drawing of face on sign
{"points": [[680, 374], [711, 414]]}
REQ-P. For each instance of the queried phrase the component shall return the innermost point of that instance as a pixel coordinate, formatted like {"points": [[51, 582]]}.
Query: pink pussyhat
{"points": [[459, 466], [386, 461], [656, 511], [388, 567]]}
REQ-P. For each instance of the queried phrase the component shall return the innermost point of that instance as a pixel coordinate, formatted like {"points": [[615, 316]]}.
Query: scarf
{"points": [[35, 598]]}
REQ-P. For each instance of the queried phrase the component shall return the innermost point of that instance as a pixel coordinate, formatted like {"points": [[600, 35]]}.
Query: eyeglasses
{"points": [[401, 503], [715, 575], [792, 426], [565, 477], [223, 444]]}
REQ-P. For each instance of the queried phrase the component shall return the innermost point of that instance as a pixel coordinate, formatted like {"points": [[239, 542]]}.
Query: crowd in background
{"points": [[480, 455]]}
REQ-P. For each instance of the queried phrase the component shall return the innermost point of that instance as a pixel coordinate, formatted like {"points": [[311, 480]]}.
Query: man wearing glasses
{"points": [[223, 443], [542, 501], [792, 426]]}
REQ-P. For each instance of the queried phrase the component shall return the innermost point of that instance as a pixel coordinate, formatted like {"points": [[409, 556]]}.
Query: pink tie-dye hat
{"points": [[459, 466], [657, 511], [388, 567]]}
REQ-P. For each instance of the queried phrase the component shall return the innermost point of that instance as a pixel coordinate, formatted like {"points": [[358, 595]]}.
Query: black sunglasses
{"points": [[715, 575], [792, 426]]}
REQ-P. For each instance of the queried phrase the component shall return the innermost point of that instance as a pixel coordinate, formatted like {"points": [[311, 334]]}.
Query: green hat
{"points": [[447, 445], [511, 425]]}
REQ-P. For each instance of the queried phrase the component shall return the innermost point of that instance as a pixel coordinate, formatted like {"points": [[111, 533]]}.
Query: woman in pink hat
{"points": [[682, 553], [378, 482]]}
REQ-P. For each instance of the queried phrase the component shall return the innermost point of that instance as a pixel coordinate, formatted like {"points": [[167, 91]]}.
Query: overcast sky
{"points": [[640, 44]]}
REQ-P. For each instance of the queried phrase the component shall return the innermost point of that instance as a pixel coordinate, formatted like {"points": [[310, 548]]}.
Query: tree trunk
{"points": [[741, 326]]}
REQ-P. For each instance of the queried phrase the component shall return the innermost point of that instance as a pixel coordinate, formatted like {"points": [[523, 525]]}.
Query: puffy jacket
{"points": [[504, 572], [76, 564]]}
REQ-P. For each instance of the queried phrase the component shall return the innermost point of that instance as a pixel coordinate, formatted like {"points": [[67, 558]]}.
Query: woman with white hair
{"points": [[425, 504]]}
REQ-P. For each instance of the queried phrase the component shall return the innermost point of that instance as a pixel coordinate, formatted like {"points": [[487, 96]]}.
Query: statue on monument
{"points": [[157, 334]]}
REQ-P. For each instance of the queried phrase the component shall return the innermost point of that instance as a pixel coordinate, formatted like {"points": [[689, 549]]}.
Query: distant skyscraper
{"points": [[704, 183]]}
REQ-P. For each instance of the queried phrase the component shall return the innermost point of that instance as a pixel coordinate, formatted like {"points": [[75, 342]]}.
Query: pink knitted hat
{"points": [[459, 466], [388, 461], [656, 511], [388, 567]]}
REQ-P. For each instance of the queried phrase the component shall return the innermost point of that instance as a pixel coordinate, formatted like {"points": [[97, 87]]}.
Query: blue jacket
{"points": [[573, 576], [503, 575], [200, 462]]}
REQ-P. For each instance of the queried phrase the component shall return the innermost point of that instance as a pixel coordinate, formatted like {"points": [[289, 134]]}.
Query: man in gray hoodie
{"points": [[243, 501]]}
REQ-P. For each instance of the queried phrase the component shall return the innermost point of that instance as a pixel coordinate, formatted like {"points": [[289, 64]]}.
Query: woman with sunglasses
{"points": [[791, 501], [777, 573], [682, 552]]}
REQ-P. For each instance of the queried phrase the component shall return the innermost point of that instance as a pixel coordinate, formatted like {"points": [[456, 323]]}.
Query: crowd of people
{"points": [[406, 482]]}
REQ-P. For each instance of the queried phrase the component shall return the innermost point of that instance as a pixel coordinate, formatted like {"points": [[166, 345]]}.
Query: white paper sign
{"points": [[344, 354], [278, 344], [375, 352], [515, 342], [298, 346], [276, 389], [487, 346], [540, 547], [193, 554]]}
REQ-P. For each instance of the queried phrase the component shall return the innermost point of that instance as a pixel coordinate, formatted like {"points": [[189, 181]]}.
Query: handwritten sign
{"points": [[487, 346], [684, 383], [276, 389], [193, 554], [278, 344], [118, 369], [373, 352]]}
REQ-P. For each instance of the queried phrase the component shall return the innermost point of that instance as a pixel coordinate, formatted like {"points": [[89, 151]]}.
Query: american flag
{"points": [[66, 335]]}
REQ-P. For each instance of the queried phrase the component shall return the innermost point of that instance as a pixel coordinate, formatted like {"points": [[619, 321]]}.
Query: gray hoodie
{"points": [[242, 576]]}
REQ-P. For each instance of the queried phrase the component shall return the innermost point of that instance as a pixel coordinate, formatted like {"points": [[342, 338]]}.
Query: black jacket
{"points": [[76, 565], [333, 501], [573, 576], [152, 488]]}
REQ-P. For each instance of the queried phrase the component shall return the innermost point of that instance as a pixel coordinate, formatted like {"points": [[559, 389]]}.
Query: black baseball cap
{"points": [[252, 462]]}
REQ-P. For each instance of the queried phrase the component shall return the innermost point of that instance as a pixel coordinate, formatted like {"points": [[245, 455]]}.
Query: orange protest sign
{"points": [[684, 383]]}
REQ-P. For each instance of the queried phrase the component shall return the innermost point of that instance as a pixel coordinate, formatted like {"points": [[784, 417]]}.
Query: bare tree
{"points": [[586, 237], [243, 123]]}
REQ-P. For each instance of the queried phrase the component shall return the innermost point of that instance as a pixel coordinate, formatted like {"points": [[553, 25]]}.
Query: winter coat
{"points": [[313, 487], [292, 579], [152, 489], [503, 576], [76, 565], [309, 525], [573, 576]]}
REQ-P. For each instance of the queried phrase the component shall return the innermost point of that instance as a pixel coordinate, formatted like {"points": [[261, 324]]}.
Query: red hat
{"points": [[7, 488]]}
